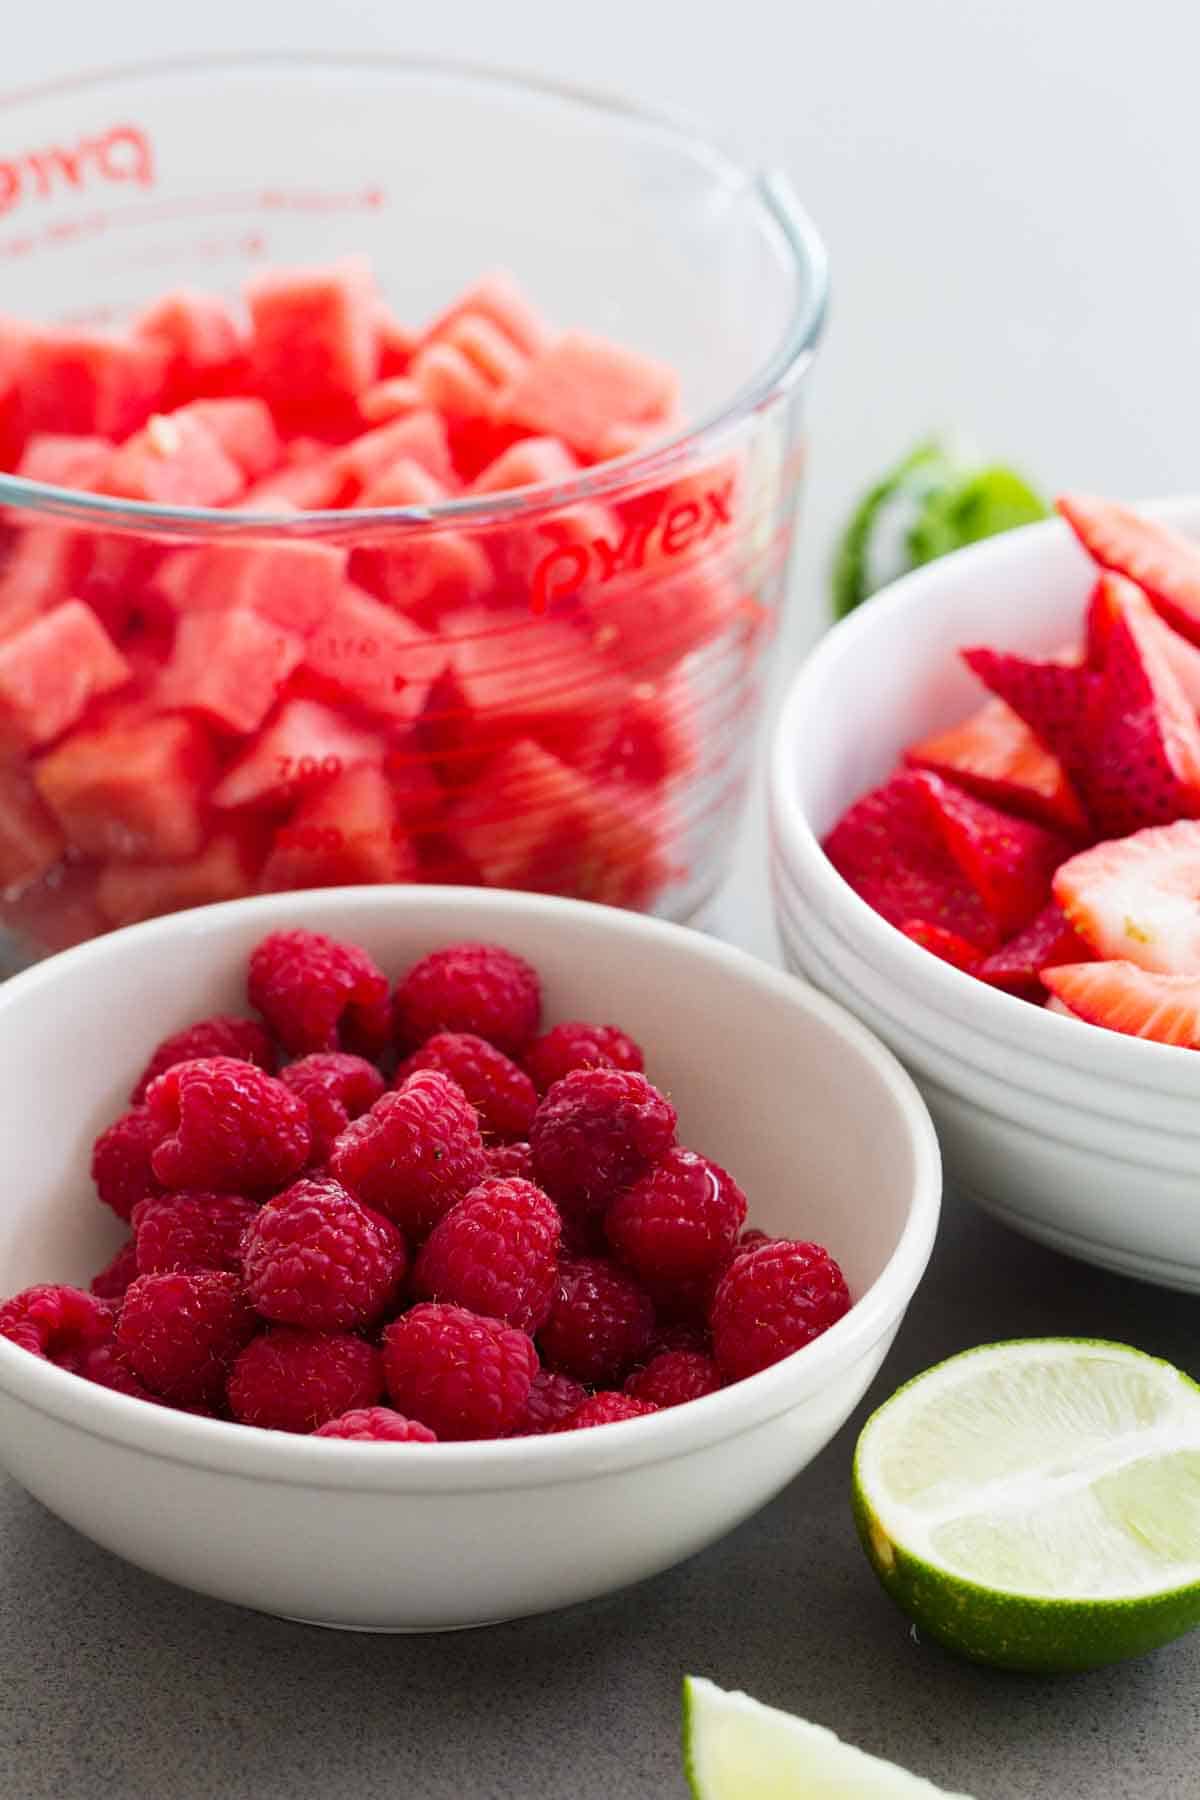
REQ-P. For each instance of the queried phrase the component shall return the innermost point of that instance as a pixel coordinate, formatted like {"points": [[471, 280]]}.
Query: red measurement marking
{"points": [[169, 212]]}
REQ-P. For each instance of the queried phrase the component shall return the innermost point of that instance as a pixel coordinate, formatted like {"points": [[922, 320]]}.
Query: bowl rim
{"points": [[775, 374], [219, 1446], [985, 1010]]}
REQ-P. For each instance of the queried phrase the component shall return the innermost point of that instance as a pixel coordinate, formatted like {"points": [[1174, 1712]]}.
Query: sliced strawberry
{"points": [[1138, 897], [1052, 696], [1140, 1002], [994, 754], [1045, 942], [1008, 861], [1143, 764], [946, 944], [1162, 562], [1114, 597]]}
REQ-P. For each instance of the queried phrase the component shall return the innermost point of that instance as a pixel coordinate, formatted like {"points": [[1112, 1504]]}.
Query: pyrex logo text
{"points": [[121, 154], [565, 569]]}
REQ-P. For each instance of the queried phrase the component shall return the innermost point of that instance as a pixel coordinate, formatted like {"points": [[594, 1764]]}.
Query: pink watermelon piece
{"points": [[203, 341], [419, 437], [390, 399], [647, 624], [396, 343], [40, 565], [580, 386], [648, 742], [373, 656], [129, 891], [452, 383], [347, 832], [497, 298], [306, 744], [316, 339], [554, 559], [174, 460], [61, 460], [13, 335], [486, 347], [30, 841], [134, 791], [291, 582], [244, 429], [89, 384], [229, 667], [51, 669], [423, 573]]}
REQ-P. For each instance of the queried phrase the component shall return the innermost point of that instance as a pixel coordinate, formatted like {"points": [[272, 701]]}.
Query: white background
{"points": [[1009, 194]]}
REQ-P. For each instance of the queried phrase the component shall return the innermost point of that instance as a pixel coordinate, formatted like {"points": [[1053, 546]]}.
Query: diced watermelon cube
{"points": [[305, 744], [563, 553], [533, 460], [13, 335], [374, 656], [486, 347], [347, 833], [647, 623], [452, 384], [40, 565], [203, 341], [419, 437], [58, 911], [496, 297], [292, 582], [86, 383], [648, 742], [580, 386], [424, 573], [306, 485], [51, 669], [316, 339], [61, 460], [391, 399], [30, 840], [396, 344], [127, 892], [228, 666], [134, 791], [173, 461], [244, 429]]}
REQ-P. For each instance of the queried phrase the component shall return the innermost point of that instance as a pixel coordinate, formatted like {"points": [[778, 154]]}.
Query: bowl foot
{"points": [[388, 1630], [1160, 1271]]}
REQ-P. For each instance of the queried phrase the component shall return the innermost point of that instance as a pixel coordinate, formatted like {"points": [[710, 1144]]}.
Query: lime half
{"points": [[1037, 1504], [736, 1749]]}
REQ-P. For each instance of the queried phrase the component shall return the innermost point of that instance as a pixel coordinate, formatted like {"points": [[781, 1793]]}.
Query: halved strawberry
{"points": [[946, 944], [1143, 765], [1140, 1002], [1008, 861], [994, 754], [1115, 597], [1055, 1005], [1138, 897], [1162, 562], [1051, 695], [1044, 943]]}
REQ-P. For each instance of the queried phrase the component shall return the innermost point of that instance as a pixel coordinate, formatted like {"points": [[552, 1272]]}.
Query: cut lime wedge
{"points": [[736, 1749], [1037, 1504]]}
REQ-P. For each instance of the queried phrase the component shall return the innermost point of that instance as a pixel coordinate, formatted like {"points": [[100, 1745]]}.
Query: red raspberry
{"points": [[121, 1156], [510, 1159], [294, 1380], [673, 1377], [461, 1374], [336, 1088], [318, 994], [578, 1045], [495, 1252], [110, 1282], [104, 1366], [678, 1222], [414, 1154], [228, 1126], [180, 1333], [600, 1322], [595, 1132], [604, 1408], [191, 1230], [686, 1334], [243, 1039], [551, 1398], [376, 1425], [772, 1300], [752, 1237], [62, 1325], [481, 988], [315, 1257], [501, 1093]]}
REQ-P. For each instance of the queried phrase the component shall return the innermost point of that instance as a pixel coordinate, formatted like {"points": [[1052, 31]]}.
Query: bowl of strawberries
{"points": [[406, 1259], [985, 798]]}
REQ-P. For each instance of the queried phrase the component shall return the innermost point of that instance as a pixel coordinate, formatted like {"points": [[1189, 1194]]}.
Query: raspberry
{"points": [[376, 1425], [551, 1398], [62, 1325], [414, 1154], [510, 1159], [604, 1408], [680, 1335], [772, 1300], [595, 1132], [191, 1230], [315, 1257], [752, 1237], [600, 1322], [104, 1366], [480, 988], [673, 1377], [229, 1127], [110, 1282], [463, 1375], [294, 1380], [121, 1166], [180, 1333], [676, 1228], [495, 1252], [501, 1093], [578, 1045], [336, 1088], [243, 1039], [318, 994]]}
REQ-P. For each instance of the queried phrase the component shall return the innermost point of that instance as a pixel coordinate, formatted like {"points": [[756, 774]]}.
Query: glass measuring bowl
{"points": [[582, 721]]}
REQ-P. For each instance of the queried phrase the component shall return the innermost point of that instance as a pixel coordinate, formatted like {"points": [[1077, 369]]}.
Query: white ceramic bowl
{"points": [[821, 1125], [1079, 1137]]}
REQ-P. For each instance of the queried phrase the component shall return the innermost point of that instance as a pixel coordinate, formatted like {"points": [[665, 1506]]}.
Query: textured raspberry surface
{"points": [[228, 1127], [190, 1230], [61, 1324], [675, 1334], [463, 1375], [481, 988], [595, 1132], [336, 1087], [318, 994], [501, 1093], [752, 1237], [316, 1257], [577, 1045], [510, 1159], [600, 1322], [104, 1365], [243, 1039], [495, 1252], [605, 1408], [290, 1379], [673, 1377], [110, 1282], [414, 1154], [551, 1398], [121, 1167], [377, 1425], [180, 1333], [678, 1222], [774, 1299]]}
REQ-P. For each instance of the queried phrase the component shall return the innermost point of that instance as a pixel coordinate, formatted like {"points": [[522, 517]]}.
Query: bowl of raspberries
{"points": [[407, 1259]]}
